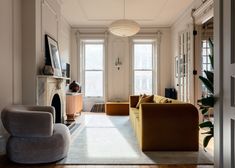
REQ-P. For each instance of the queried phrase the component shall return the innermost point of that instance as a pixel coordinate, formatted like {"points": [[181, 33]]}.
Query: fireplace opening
{"points": [[57, 104]]}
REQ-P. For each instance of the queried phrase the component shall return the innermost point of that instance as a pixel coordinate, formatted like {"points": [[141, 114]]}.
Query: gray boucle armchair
{"points": [[34, 137]]}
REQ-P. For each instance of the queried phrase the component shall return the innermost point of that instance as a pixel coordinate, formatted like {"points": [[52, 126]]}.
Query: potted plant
{"points": [[207, 103]]}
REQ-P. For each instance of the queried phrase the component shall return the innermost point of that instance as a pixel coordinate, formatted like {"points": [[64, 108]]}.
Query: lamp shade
{"points": [[124, 28]]}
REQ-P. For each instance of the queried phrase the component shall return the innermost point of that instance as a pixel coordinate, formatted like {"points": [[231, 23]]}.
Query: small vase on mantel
{"points": [[48, 70], [75, 87]]}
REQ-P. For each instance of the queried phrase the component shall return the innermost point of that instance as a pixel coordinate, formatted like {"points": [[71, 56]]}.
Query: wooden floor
{"points": [[4, 163]]}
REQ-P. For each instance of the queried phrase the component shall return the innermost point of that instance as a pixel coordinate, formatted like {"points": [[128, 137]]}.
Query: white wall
{"points": [[10, 64], [165, 61], [22, 29], [118, 86], [118, 83], [65, 41], [41, 17]]}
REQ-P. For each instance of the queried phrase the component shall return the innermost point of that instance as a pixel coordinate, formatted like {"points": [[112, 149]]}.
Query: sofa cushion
{"points": [[140, 99], [158, 99], [143, 99], [161, 99], [134, 110]]}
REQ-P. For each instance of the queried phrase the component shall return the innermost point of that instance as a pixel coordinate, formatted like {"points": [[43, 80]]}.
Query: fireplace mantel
{"points": [[48, 87]]}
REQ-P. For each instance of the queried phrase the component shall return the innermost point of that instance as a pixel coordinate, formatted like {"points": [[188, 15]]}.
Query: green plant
{"points": [[207, 102]]}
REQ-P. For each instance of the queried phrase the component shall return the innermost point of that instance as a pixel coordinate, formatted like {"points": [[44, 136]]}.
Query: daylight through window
{"points": [[143, 67], [94, 69]]}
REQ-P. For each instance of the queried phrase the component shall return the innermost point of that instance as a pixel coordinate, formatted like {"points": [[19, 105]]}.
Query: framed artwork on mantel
{"points": [[53, 51]]}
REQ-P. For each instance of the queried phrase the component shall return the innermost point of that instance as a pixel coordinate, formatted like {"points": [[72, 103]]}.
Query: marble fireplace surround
{"points": [[47, 88]]}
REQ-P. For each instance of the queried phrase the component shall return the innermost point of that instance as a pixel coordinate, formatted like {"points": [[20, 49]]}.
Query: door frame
{"points": [[218, 83]]}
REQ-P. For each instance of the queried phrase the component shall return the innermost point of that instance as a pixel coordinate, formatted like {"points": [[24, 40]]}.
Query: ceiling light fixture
{"points": [[124, 27]]}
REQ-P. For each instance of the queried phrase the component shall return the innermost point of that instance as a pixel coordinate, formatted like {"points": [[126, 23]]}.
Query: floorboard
{"points": [[5, 163]]}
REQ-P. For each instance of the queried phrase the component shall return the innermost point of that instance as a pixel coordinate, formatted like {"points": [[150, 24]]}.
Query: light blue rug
{"points": [[110, 140]]}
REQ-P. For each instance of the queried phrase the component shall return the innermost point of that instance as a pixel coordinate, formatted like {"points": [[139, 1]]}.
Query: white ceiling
{"points": [[103, 12]]}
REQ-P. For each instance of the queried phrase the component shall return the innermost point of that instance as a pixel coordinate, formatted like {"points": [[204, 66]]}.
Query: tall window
{"points": [[206, 64], [93, 72], [143, 67]]}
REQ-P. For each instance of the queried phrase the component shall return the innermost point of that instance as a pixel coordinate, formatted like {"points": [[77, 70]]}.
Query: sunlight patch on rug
{"points": [[99, 145], [110, 140]]}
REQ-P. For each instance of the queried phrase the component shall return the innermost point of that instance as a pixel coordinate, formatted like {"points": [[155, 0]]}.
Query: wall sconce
{"points": [[118, 63]]}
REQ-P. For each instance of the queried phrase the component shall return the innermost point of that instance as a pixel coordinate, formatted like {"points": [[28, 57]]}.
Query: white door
{"points": [[225, 83], [183, 66]]}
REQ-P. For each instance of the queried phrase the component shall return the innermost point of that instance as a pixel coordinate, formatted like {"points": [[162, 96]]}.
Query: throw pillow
{"points": [[145, 99], [163, 100], [140, 97], [168, 101]]}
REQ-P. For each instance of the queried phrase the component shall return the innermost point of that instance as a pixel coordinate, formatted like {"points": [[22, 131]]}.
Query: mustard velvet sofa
{"points": [[161, 126]]}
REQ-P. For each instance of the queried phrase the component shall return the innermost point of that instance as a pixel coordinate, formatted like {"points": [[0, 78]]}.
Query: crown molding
{"points": [[204, 12]]}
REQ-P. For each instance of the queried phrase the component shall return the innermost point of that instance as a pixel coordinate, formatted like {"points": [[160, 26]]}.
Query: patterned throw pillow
{"points": [[145, 99]]}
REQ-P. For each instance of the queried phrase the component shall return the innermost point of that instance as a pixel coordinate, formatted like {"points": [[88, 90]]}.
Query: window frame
{"points": [[204, 91], [83, 70], [154, 64]]}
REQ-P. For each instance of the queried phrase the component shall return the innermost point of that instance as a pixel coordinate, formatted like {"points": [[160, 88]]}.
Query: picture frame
{"points": [[52, 50]]}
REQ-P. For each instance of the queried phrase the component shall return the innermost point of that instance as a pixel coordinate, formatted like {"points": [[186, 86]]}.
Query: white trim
{"points": [[105, 66], [204, 12], [82, 65], [78, 58], [158, 56]]}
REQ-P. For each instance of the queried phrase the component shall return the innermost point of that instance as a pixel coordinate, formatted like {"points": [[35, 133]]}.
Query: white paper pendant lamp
{"points": [[124, 28]]}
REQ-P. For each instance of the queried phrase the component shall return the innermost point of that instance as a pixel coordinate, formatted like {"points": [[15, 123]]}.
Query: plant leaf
{"points": [[208, 101], [204, 110], [208, 132], [211, 45], [207, 83], [210, 76], [206, 140], [211, 61], [206, 124], [201, 107]]}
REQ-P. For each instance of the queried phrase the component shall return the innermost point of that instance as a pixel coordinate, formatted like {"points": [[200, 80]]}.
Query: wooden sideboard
{"points": [[74, 104]]}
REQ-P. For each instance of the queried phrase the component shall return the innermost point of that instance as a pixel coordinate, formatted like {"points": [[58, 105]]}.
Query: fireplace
{"points": [[51, 92], [57, 104]]}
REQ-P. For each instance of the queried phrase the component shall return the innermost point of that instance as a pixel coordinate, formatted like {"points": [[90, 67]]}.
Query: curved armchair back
{"points": [[28, 121]]}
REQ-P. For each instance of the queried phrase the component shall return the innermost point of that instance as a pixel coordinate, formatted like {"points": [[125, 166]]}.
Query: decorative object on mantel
{"points": [[75, 87], [118, 63], [48, 70], [52, 55], [124, 27]]}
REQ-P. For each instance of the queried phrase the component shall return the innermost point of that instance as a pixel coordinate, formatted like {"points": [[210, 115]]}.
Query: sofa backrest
{"points": [[161, 99]]}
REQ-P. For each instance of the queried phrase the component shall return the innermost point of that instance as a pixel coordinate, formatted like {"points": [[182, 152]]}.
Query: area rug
{"points": [[110, 140]]}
